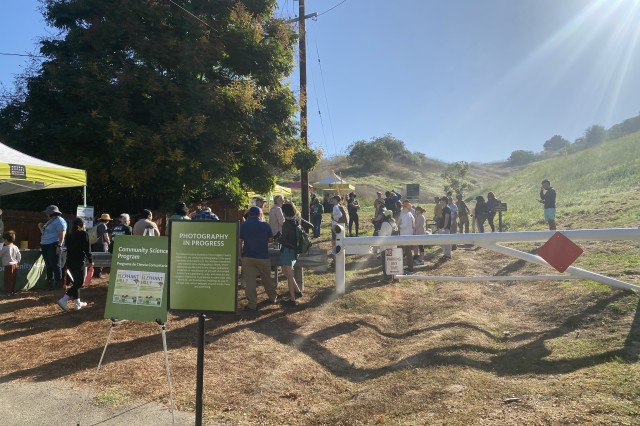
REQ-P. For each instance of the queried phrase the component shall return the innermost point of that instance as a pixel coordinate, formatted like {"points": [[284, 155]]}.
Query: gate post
{"points": [[339, 260]]}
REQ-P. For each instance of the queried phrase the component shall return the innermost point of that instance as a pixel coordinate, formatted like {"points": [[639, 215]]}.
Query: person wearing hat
{"points": [[78, 249], [255, 236], [51, 245], [102, 245], [548, 198]]}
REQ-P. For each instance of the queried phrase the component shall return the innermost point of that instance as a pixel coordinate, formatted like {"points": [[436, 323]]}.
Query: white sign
{"points": [[393, 261], [86, 213]]}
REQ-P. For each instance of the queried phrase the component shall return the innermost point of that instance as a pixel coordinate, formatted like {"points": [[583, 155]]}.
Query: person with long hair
{"points": [[492, 202], [78, 249]]}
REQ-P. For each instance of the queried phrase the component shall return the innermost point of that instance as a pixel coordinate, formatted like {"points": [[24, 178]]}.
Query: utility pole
{"points": [[302, 48]]}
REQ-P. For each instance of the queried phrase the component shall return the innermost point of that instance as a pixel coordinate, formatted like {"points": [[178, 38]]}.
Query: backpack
{"points": [[302, 241], [93, 235], [345, 216]]}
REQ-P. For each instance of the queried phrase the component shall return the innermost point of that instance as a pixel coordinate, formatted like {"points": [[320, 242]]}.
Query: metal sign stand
{"points": [[114, 323]]}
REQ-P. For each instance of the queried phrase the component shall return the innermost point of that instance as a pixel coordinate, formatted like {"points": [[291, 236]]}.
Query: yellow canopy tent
{"points": [[20, 172], [278, 190], [334, 182]]}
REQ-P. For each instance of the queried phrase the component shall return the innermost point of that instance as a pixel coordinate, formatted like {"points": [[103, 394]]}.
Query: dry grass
{"points": [[404, 353]]}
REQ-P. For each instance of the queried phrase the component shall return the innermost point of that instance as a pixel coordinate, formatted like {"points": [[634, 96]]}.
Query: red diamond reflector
{"points": [[559, 252]]}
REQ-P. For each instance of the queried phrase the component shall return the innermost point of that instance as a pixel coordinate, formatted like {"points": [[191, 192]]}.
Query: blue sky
{"points": [[455, 79]]}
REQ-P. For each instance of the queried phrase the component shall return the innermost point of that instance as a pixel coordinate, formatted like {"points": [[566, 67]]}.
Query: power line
{"points": [[194, 16], [326, 100], [21, 54], [329, 10]]}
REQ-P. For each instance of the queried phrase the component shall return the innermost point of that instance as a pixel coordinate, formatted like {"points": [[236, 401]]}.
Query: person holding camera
{"points": [[548, 198]]}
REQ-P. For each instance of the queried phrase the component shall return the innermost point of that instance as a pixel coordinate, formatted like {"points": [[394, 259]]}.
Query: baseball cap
{"points": [[254, 211]]}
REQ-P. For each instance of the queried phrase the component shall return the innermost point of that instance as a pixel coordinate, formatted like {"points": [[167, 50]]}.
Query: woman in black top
{"points": [[78, 248]]}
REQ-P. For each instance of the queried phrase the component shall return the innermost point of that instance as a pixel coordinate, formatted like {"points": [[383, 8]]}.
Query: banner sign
{"points": [[413, 192], [203, 266], [17, 171], [86, 213], [393, 261], [137, 282]]}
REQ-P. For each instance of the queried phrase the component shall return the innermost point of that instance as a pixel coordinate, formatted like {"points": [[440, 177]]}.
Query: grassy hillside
{"points": [[603, 180], [397, 175]]}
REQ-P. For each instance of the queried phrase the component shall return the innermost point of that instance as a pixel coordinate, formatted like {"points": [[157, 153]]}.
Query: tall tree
{"points": [[556, 143], [157, 102], [595, 135], [455, 177], [521, 157]]}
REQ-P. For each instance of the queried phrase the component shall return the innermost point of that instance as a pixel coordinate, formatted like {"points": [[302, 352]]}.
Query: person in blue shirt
{"points": [[255, 236], [53, 232]]}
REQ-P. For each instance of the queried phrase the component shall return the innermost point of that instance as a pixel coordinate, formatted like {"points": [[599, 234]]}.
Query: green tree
{"points": [[556, 143], [455, 177], [595, 135], [155, 103], [372, 154], [521, 157]]}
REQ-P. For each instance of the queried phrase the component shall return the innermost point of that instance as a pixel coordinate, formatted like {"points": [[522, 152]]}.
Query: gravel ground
{"points": [[59, 403]]}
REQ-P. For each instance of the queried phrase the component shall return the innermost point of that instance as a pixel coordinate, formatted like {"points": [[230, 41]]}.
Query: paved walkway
{"points": [[58, 403]]}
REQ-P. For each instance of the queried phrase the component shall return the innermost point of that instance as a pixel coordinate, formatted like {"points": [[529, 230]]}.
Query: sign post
{"points": [[500, 207], [203, 276]]}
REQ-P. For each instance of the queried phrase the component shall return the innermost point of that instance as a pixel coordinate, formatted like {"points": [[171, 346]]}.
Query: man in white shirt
{"points": [[276, 217], [407, 226], [336, 216]]}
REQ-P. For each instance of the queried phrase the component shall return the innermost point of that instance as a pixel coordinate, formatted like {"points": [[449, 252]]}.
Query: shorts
{"points": [[549, 214], [288, 256]]}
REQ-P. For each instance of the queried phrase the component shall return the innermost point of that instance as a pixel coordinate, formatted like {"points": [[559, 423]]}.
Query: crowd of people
{"points": [[392, 216]]}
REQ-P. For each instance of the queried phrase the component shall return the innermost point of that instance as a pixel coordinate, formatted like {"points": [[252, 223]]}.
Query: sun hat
{"points": [[387, 213], [51, 210], [105, 216]]}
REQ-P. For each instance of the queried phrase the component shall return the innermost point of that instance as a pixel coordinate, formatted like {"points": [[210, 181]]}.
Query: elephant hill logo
{"points": [[17, 171]]}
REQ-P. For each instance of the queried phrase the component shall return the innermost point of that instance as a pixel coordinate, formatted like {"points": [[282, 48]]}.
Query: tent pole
{"points": [[84, 195]]}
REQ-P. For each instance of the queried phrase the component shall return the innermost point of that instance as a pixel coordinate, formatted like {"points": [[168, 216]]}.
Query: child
{"points": [[10, 259]]}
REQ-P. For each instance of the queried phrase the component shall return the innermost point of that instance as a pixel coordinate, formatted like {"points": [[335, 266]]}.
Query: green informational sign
{"points": [[137, 282], [203, 266]]}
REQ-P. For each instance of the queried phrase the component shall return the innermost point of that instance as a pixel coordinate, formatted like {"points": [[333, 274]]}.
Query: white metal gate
{"points": [[489, 241]]}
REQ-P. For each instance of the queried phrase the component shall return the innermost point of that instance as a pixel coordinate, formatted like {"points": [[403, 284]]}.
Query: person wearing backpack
{"points": [[102, 245], [289, 244]]}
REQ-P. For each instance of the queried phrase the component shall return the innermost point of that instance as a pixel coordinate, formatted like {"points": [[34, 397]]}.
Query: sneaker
{"points": [[298, 294], [291, 303], [418, 262], [63, 305], [79, 305], [249, 309]]}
